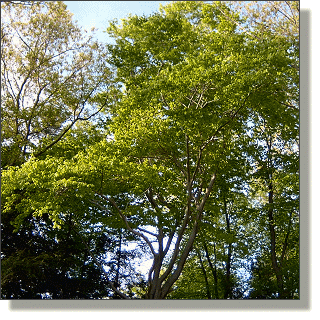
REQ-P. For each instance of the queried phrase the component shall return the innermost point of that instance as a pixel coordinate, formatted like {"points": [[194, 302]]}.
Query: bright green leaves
{"points": [[52, 186], [184, 142], [200, 92], [149, 44], [57, 186]]}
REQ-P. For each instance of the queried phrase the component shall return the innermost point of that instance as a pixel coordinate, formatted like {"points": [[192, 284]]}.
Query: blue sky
{"points": [[97, 13]]}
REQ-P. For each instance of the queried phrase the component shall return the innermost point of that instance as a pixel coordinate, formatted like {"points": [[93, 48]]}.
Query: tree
{"points": [[176, 149], [276, 181], [277, 142], [281, 20], [50, 73], [39, 262]]}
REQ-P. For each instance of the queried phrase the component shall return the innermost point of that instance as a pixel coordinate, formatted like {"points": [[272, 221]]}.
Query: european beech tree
{"points": [[189, 84]]}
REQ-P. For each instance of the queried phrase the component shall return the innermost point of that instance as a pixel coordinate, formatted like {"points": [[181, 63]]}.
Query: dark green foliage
{"points": [[39, 262]]}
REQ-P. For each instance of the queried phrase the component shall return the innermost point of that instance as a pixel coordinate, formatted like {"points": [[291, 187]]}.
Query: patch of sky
{"points": [[98, 14]]}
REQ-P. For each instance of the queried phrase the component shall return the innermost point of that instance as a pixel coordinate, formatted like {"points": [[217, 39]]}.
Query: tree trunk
{"points": [[228, 286], [205, 275], [213, 268], [275, 265], [117, 281]]}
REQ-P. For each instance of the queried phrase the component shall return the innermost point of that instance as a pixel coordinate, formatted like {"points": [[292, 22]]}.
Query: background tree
{"points": [[276, 183], [50, 72]]}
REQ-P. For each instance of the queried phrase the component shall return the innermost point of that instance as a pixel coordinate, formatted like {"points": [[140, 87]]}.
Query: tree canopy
{"points": [[178, 144]]}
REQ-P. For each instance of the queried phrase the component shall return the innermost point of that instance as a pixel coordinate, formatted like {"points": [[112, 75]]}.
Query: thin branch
{"points": [[103, 208], [207, 193], [166, 249], [147, 231], [29, 48], [285, 104], [277, 9], [235, 113], [293, 16], [238, 24], [285, 244], [7, 80], [56, 140], [197, 166], [123, 217]]}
